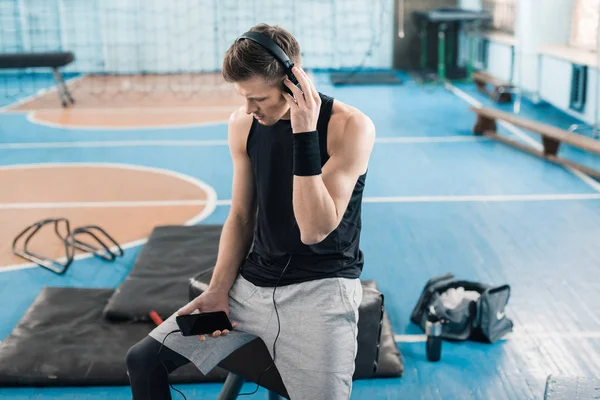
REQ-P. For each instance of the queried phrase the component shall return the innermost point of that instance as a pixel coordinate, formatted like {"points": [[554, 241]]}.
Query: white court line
{"points": [[194, 143], [210, 203], [32, 118], [483, 198], [523, 136], [137, 109], [538, 146], [227, 202], [430, 139], [469, 99], [585, 177], [557, 335], [419, 338], [120, 143], [410, 338], [510, 127], [104, 204]]}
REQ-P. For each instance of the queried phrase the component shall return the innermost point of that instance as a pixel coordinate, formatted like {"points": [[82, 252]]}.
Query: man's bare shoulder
{"points": [[239, 127], [239, 119], [349, 122]]}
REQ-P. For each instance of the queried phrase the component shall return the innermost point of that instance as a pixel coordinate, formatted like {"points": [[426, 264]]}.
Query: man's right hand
{"points": [[211, 300]]}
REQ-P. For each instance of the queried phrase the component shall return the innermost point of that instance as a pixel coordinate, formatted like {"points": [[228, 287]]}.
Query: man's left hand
{"points": [[305, 108]]}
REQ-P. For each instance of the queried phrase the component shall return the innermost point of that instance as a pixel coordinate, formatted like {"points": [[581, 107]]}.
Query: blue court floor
{"points": [[437, 200]]}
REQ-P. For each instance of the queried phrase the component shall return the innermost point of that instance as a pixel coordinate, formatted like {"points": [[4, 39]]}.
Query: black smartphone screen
{"points": [[203, 323]]}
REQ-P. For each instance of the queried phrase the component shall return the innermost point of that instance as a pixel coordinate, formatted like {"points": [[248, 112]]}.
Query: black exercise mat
{"points": [[159, 279], [391, 363], [365, 78], [377, 356], [63, 340]]}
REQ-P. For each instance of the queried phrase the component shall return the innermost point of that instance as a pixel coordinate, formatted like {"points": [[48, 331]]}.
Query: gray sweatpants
{"points": [[317, 345]]}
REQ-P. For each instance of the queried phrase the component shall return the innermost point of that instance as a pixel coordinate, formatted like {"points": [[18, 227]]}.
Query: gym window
{"points": [[481, 53], [503, 14], [584, 24], [578, 88]]}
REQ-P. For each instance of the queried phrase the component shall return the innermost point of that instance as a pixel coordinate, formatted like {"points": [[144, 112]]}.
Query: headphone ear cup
{"points": [[287, 89], [292, 78]]}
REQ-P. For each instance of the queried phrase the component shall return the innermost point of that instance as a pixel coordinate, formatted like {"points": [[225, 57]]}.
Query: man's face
{"points": [[263, 100]]}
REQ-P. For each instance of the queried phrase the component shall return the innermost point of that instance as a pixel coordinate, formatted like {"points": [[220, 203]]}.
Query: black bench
{"points": [[42, 60]]}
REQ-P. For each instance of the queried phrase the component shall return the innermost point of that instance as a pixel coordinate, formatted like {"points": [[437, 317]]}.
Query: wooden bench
{"points": [[552, 137], [502, 89], [42, 60]]}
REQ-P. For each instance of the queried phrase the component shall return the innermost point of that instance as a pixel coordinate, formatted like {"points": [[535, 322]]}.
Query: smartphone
{"points": [[203, 323]]}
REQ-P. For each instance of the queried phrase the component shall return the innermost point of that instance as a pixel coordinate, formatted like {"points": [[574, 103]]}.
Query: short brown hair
{"points": [[245, 58]]}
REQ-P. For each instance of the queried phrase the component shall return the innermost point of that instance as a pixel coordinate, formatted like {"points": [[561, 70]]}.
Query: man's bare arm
{"points": [[238, 229], [320, 201]]}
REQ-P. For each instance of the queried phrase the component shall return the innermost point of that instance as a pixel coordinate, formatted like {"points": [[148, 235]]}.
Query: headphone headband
{"points": [[270, 45]]}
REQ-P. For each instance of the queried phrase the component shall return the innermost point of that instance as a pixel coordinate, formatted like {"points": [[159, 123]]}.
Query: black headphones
{"points": [[272, 47]]}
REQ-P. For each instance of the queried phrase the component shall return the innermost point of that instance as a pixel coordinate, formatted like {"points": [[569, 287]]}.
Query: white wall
{"points": [[500, 60], [470, 4], [539, 23], [556, 82], [552, 24], [555, 87]]}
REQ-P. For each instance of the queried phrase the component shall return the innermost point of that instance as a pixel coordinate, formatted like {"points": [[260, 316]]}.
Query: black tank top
{"points": [[277, 235]]}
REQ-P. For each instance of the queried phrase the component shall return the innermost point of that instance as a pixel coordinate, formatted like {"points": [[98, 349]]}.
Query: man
{"points": [[289, 261]]}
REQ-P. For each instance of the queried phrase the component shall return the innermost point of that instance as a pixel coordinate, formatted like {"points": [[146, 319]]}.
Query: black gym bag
{"points": [[483, 320]]}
